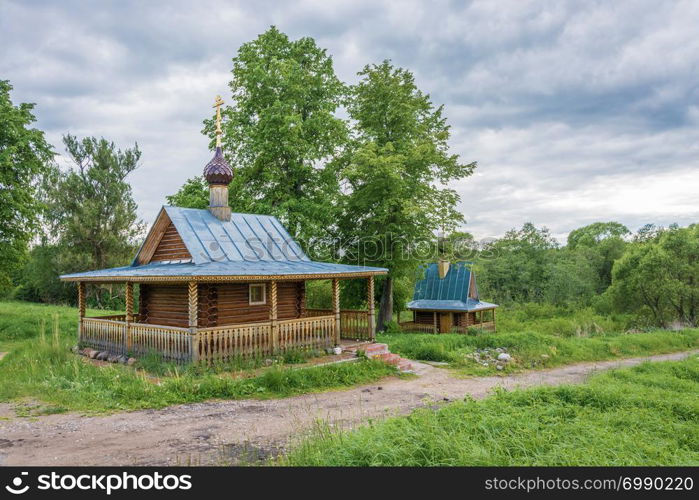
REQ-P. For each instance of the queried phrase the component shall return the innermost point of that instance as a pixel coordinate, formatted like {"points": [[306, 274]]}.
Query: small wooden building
{"points": [[214, 285], [446, 300]]}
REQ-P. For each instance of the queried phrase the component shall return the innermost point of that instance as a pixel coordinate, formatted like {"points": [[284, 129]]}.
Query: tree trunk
{"points": [[385, 305]]}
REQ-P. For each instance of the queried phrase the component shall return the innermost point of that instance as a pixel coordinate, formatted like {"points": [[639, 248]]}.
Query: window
{"points": [[258, 294]]}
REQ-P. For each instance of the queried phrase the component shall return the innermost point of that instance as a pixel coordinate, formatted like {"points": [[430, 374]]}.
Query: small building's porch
{"points": [[451, 321]]}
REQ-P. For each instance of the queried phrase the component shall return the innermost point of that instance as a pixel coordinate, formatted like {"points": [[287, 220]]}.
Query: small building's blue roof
{"points": [[247, 245], [450, 293], [469, 305]]}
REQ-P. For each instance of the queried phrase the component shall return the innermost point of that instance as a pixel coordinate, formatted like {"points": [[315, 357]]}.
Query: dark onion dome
{"points": [[218, 171]]}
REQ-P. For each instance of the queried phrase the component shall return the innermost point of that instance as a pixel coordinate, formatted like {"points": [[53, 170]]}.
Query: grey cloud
{"points": [[563, 103]]}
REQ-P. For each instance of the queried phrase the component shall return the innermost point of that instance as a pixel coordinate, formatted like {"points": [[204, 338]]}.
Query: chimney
{"points": [[219, 174], [443, 266]]}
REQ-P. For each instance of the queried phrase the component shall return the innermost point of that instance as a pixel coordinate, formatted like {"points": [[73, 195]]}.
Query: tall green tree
{"points": [[601, 243], [91, 210], [517, 267], [660, 277], [394, 174], [281, 129], [25, 157]]}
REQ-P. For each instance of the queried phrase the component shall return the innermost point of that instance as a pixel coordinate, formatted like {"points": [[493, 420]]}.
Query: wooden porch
{"points": [[131, 334], [450, 322]]}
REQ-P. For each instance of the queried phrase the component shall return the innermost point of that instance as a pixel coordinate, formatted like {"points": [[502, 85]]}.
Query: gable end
{"points": [[162, 243], [171, 246]]}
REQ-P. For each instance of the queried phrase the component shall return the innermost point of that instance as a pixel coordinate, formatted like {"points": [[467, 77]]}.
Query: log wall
{"points": [[224, 304]]}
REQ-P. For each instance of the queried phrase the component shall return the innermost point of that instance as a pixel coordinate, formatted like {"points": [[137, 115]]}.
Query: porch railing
{"points": [[172, 343], [103, 335], [316, 332], [354, 324], [120, 338], [223, 343], [216, 344], [411, 326]]}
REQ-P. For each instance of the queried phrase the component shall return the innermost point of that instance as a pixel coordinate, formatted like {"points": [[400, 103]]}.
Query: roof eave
{"points": [[222, 278]]}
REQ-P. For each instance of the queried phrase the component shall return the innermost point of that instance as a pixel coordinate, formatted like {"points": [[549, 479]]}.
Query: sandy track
{"points": [[230, 431]]}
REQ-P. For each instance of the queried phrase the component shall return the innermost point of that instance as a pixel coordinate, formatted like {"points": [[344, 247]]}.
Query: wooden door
{"points": [[445, 321]]}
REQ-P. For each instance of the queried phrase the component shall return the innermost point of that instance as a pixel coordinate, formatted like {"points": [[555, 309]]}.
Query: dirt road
{"points": [[231, 431]]}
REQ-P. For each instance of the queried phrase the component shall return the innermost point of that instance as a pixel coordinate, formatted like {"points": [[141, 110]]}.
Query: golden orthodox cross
{"points": [[217, 104]]}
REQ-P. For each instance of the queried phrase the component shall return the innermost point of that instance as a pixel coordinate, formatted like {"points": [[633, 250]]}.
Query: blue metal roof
{"points": [[450, 293], [245, 238], [450, 305], [247, 245]]}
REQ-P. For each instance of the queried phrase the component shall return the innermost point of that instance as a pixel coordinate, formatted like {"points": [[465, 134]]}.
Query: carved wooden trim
{"points": [[336, 309], [129, 302], [193, 297], [273, 315], [371, 317], [81, 299], [222, 279], [273, 294]]}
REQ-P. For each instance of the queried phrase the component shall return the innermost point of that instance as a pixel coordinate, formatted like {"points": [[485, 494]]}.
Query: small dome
{"points": [[218, 171]]}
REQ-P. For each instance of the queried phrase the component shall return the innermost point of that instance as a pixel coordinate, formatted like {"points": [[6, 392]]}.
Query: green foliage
{"points": [[392, 327], [601, 243], [570, 279], [598, 423], [23, 321], [594, 234], [540, 336], [659, 277], [457, 246], [193, 194], [516, 268], [91, 217], [41, 366], [25, 157], [392, 171], [38, 281], [281, 129]]}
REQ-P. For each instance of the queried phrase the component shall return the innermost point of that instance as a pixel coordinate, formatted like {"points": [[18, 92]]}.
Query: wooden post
{"points": [[494, 325], [336, 309], [81, 308], [81, 300], [273, 317], [371, 317], [129, 302], [434, 322], [129, 315], [193, 292], [193, 303]]}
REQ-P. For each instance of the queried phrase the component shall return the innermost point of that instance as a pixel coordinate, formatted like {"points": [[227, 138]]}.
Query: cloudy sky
{"points": [[575, 111]]}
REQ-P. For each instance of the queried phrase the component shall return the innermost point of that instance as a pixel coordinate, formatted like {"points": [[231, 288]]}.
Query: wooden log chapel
{"points": [[446, 300], [214, 285]]}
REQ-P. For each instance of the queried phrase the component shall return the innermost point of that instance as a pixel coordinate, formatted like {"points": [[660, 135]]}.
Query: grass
{"points": [[542, 337], [21, 321], [41, 367], [646, 415]]}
